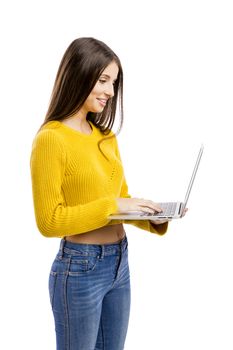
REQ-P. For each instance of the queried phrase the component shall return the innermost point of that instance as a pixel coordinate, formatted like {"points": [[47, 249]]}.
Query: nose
{"points": [[109, 90]]}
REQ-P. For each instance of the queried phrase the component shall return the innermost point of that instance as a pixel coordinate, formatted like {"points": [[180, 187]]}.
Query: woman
{"points": [[78, 181]]}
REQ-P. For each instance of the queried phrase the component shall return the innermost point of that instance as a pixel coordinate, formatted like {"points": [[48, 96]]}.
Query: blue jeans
{"points": [[89, 288]]}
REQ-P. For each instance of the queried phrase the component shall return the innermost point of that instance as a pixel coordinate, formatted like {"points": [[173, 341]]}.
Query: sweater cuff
{"points": [[112, 205], [160, 229]]}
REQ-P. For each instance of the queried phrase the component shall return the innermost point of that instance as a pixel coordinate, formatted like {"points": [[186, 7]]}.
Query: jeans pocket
{"points": [[52, 286], [83, 265]]}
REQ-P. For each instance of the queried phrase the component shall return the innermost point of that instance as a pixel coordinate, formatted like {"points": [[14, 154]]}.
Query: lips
{"points": [[102, 101]]}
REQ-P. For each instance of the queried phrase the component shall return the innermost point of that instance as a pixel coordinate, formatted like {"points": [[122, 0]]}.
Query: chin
{"points": [[98, 110]]}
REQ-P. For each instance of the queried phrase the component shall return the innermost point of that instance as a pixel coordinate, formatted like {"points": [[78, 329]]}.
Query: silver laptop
{"points": [[170, 210]]}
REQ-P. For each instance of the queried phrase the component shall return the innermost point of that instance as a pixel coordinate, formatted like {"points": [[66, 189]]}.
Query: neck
{"points": [[78, 123]]}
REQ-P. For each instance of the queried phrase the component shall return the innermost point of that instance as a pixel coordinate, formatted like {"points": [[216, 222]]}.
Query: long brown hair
{"points": [[81, 66]]}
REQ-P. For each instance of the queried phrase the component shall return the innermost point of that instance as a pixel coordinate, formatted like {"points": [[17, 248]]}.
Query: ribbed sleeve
{"points": [[54, 217]]}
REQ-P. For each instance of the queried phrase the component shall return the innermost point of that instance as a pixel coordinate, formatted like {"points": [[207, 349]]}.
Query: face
{"points": [[103, 90]]}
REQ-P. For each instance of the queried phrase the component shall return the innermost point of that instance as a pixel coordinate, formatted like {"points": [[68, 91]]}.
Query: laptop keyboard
{"points": [[168, 208]]}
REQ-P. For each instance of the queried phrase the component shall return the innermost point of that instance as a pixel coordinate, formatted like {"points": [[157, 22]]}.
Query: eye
{"points": [[102, 81]]}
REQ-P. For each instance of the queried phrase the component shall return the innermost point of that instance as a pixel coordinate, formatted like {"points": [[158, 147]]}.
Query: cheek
{"points": [[90, 100], [91, 104], [97, 90], [93, 95]]}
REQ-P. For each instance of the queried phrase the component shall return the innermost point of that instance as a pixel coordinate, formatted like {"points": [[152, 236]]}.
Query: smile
{"points": [[102, 101]]}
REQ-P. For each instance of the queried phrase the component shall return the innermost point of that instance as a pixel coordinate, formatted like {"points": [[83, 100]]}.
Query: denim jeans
{"points": [[89, 288]]}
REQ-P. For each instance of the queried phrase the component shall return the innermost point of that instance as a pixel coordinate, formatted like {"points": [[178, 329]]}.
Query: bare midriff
{"points": [[103, 235]]}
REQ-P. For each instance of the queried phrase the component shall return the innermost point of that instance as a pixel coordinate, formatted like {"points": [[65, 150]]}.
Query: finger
{"points": [[155, 206], [146, 209], [152, 205], [185, 211]]}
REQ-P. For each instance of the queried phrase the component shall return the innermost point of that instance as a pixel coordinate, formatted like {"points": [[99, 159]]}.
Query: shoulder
{"points": [[51, 131], [49, 136]]}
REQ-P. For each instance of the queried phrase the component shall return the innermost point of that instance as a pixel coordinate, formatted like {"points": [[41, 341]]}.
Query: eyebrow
{"points": [[107, 76]]}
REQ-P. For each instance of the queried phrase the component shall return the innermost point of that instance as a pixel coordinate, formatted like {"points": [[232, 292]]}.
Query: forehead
{"points": [[111, 70]]}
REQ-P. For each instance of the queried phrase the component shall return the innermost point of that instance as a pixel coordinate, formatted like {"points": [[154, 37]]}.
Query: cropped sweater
{"points": [[74, 186]]}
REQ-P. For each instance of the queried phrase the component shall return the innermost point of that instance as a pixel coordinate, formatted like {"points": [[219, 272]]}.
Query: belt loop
{"points": [[61, 249], [102, 252]]}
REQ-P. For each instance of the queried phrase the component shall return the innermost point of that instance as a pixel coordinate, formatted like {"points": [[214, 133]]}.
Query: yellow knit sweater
{"points": [[74, 186]]}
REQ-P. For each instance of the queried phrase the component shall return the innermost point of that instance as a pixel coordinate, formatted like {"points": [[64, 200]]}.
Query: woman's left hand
{"points": [[162, 221]]}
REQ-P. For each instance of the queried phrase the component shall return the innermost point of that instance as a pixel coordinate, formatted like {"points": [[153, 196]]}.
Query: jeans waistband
{"points": [[92, 249]]}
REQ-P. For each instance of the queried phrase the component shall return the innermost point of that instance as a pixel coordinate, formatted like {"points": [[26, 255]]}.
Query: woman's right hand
{"points": [[137, 204]]}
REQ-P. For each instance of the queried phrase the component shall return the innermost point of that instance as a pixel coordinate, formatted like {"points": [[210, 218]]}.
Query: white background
{"points": [[177, 58]]}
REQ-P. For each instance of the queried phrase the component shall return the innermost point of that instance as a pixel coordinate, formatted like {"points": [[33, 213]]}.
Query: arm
{"points": [[53, 216], [158, 228]]}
